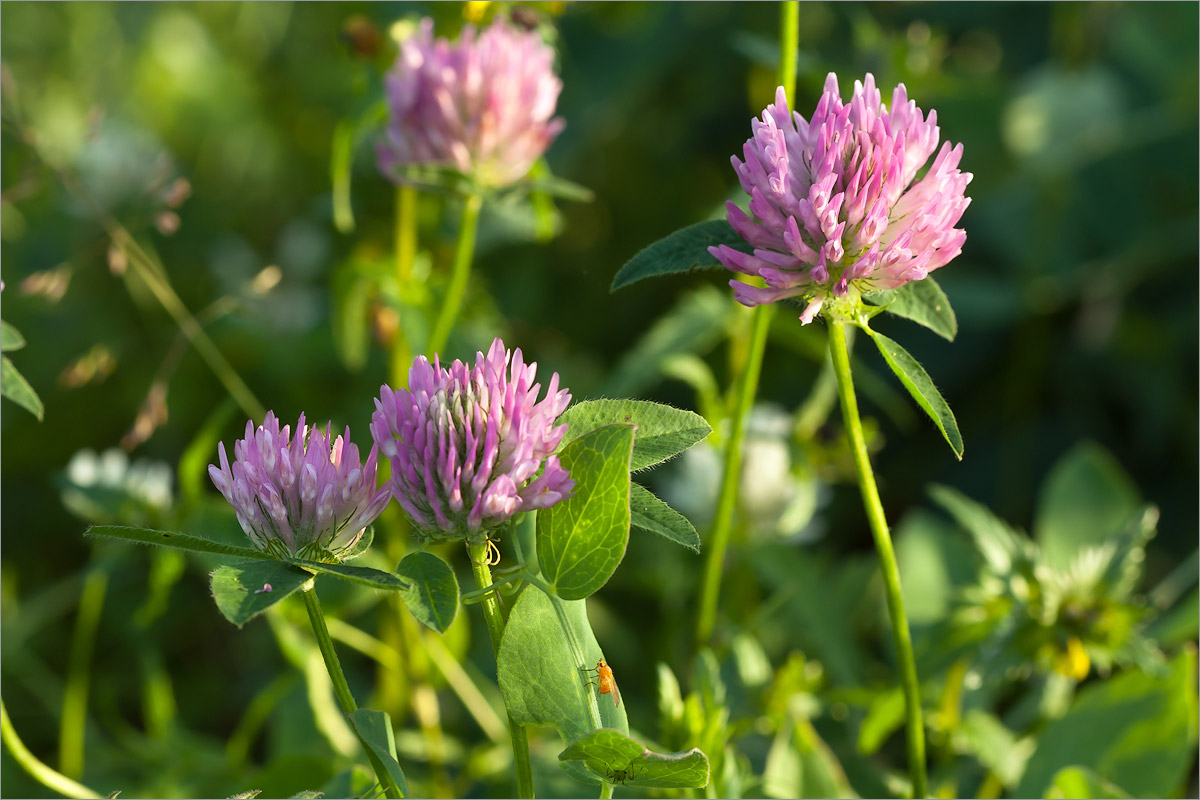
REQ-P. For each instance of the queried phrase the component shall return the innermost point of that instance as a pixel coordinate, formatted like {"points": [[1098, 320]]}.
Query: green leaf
{"points": [[801, 764], [353, 287], [540, 681], [180, 541], [1134, 729], [581, 540], [14, 386], [10, 338], [920, 386], [432, 593], [998, 543], [693, 325], [994, 745], [682, 251], [937, 563], [554, 186], [243, 591], [921, 301], [649, 513], [374, 730], [1086, 500], [1071, 782], [662, 431], [366, 576], [884, 717], [617, 758]]}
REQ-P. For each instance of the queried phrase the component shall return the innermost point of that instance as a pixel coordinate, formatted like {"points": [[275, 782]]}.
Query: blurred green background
{"points": [[1076, 296]]}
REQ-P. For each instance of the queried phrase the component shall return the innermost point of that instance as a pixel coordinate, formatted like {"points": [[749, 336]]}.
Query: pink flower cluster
{"points": [[306, 496], [466, 443], [836, 202], [482, 105]]}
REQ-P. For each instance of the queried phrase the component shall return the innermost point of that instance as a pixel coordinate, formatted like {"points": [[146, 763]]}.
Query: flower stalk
{"points": [[478, 552], [915, 730], [341, 689], [464, 251]]}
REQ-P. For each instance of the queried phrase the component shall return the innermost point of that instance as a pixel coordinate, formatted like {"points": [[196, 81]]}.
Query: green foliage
{"points": [[10, 338], [243, 591], [918, 383], [651, 514], [685, 250], [615, 757], [374, 730], [1135, 730], [180, 541], [662, 432], [1071, 782], [921, 301], [14, 386], [581, 540], [364, 576], [432, 591]]}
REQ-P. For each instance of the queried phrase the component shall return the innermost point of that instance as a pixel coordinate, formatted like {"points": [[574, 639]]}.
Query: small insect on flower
{"points": [[605, 683]]}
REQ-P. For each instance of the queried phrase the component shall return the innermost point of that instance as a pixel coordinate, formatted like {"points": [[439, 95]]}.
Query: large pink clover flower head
{"points": [[837, 207], [481, 105], [306, 495], [466, 443]]}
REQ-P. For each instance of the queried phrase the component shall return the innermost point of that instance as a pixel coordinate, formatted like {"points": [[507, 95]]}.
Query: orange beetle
{"points": [[605, 683]]}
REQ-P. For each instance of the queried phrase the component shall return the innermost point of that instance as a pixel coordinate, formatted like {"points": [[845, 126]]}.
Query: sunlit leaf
{"points": [[581, 540], [374, 730], [921, 301], [649, 513], [10, 338], [618, 758], [14, 386], [662, 431]]}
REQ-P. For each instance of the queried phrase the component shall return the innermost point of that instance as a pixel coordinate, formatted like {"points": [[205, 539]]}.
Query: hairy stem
{"points": [[463, 253], [840, 354], [495, 625]]}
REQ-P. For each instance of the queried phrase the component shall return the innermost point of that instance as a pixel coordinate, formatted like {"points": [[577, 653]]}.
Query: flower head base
{"points": [[482, 105], [306, 496], [834, 201], [466, 443]]}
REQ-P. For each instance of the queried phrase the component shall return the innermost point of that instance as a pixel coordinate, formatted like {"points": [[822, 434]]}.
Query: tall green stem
{"points": [[727, 499], [75, 696], [789, 38], [341, 689], [42, 773], [887, 558], [463, 253], [495, 625], [407, 199]]}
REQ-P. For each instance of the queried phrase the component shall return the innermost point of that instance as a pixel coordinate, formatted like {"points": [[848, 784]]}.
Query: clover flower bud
{"points": [[835, 201], [306, 496], [470, 446]]}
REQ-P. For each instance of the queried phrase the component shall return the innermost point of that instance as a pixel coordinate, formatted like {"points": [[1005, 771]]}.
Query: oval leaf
{"points": [[581, 540], [618, 758], [180, 541], [374, 730], [540, 681], [682, 251], [10, 338], [662, 431], [920, 386], [432, 593], [243, 591], [921, 301], [366, 576], [651, 514], [14, 386]]}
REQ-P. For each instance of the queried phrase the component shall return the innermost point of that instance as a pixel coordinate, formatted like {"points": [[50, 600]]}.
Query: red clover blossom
{"points": [[305, 496], [466, 443], [834, 201], [482, 105]]}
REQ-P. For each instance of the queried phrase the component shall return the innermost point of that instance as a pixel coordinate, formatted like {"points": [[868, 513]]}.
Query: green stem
{"points": [[495, 625], [606, 790], [789, 35], [341, 689], [463, 252], [887, 557], [727, 499], [406, 254], [75, 697], [42, 773]]}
